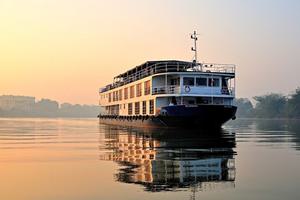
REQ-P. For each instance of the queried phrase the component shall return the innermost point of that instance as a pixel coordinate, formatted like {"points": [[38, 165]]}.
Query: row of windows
{"points": [[134, 91], [201, 81], [144, 108]]}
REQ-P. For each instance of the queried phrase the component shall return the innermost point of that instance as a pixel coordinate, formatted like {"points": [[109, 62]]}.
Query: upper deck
{"points": [[165, 66]]}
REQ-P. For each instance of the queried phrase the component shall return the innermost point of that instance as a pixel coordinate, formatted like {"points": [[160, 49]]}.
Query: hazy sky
{"points": [[66, 49]]}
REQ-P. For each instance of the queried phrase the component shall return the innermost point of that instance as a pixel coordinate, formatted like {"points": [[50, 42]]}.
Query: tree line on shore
{"points": [[271, 105], [50, 108]]}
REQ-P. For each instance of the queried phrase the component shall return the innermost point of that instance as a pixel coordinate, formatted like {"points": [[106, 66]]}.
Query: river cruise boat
{"points": [[171, 93]]}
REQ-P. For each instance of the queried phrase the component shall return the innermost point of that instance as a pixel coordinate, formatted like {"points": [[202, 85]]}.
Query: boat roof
{"points": [[158, 63]]}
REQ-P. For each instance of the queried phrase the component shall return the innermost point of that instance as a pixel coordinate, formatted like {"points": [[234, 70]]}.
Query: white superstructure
{"points": [[144, 89]]}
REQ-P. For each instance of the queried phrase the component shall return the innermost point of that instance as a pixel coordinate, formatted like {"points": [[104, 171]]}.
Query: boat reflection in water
{"points": [[168, 160]]}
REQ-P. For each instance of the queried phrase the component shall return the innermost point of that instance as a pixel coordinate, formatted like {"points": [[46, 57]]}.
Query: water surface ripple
{"points": [[82, 159]]}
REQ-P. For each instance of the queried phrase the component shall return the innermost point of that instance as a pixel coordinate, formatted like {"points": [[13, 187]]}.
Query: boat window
{"points": [[137, 108], [201, 81], [120, 95], [146, 87], [188, 81], [125, 93], [151, 106], [213, 82], [132, 91], [224, 83], [139, 90], [175, 81], [130, 109], [144, 107], [116, 95], [109, 97]]}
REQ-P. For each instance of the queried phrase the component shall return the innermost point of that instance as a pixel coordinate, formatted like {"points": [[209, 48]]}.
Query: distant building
{"points": [[22, 103], [47, 106]]}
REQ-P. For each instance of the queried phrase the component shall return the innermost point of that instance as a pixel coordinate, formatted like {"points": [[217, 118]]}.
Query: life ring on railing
{"points": [[187, 89]]}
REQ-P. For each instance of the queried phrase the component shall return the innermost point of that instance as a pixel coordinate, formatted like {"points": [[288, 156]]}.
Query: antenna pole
{"points": [[194, 48], [195, 45]]}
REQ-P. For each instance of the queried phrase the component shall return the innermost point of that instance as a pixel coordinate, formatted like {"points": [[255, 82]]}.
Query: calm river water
{"points": [[80, 159]]}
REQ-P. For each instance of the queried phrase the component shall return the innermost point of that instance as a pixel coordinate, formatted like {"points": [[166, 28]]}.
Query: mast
{"points": [[194, 48]]}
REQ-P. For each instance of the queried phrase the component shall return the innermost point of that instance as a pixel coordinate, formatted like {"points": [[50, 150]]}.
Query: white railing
{"points": [[176, 89], [171, 67], [213, 67], [205, 67], [169, 89]]}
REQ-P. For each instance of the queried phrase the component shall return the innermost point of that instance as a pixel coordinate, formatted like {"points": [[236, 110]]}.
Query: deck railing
{"points": [[169, 89], [170, 67], [176, 89]]}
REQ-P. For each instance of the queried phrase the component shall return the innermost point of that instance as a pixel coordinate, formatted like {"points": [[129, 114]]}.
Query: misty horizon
{"points": [[46, 98], [291, 92], [27, 106]]}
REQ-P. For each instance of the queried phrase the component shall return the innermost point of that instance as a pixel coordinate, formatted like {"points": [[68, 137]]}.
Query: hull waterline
{"points": [[200, 117]]}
